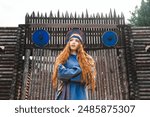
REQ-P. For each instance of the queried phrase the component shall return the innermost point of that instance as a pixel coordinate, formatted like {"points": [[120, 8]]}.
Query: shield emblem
{"points": [[40, 38], [110, 38]]}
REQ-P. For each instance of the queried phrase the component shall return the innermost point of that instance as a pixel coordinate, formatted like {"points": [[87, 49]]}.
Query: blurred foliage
{"points": [[141, 16]]}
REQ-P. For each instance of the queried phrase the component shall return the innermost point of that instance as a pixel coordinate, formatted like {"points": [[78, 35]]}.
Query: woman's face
{"points": [[74, 44]]}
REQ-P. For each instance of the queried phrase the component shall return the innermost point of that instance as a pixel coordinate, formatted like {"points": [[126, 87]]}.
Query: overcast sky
{"points": [[12, 12]]}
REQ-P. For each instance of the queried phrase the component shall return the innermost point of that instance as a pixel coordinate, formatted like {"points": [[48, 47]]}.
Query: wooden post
{"points": [[25, 73]]}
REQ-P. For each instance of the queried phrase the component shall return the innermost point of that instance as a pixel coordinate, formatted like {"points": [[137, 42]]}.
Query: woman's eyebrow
{"points": [[70, 39], [77, 40]]}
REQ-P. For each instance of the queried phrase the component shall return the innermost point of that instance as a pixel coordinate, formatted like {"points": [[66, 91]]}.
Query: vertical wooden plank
{"points": [[98, 78], [123, 74], [110, 72], [102, 75], [45, 75], [42, 78], [108, 78], [32, 74], [49, 73], [25, 73], [36, 91], [53, 53], [113, 77], [117, 74]]}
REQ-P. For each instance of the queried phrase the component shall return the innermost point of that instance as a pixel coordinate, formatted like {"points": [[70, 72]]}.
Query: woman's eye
{"points": [[77, 40]]}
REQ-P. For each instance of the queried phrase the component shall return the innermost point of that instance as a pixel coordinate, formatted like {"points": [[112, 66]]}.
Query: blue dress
{"points": [[70, 74]]}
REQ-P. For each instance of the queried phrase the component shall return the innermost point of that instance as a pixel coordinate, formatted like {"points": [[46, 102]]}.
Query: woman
{"points": [[74, 68]]}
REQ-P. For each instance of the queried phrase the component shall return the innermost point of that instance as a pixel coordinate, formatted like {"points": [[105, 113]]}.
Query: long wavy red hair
{"points": [[86, 63]]}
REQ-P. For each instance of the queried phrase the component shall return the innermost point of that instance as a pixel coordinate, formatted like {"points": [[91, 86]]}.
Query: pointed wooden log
{"points": [[62, 15], [38, 14], [115, 13], [51, 14], [71, 15], [58, 14], [110, 14], [66, 14], [33, 14], [27, 15], [45, 15], [75, 15], [86, 15], [97, 15]]}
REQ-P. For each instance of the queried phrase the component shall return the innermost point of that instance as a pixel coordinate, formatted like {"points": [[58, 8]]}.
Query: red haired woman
{"points": [[74, 68]]}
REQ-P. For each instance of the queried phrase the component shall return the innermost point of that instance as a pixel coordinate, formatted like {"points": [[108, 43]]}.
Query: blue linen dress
{"points": [[70, 74]]}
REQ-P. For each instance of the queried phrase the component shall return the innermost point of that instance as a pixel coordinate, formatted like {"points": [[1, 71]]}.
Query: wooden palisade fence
{"points": [[111, 77], [119, 71]]}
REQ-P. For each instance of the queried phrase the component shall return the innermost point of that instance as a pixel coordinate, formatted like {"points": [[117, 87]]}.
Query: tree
{"points": [[141, 16]]}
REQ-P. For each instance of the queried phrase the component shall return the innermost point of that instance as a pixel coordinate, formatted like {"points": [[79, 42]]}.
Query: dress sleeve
{"points": [[67, 73]]}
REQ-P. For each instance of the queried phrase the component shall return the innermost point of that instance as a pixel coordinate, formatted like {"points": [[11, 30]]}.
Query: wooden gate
{"points": [[112, 82]]}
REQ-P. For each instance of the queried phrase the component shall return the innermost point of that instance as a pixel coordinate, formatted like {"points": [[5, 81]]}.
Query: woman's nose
{"points": [[74, 41]]}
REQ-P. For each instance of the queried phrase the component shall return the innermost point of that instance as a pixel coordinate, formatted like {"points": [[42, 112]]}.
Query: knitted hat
{"points": [[75, 33]]}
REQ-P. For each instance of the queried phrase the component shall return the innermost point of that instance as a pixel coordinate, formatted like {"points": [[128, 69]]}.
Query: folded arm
{"points": [[67, 73]]}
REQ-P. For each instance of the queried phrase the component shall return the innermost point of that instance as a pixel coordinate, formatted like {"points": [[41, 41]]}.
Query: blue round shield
{"points": [[109, 38], [40, 38]]}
